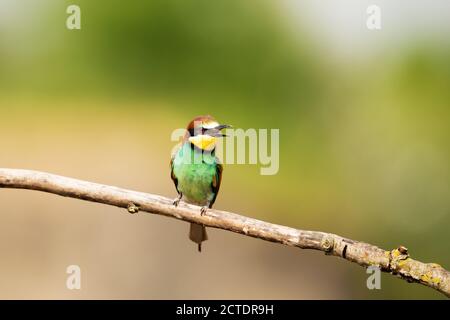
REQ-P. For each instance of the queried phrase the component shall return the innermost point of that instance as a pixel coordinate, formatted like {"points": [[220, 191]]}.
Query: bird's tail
{"points": [[197, 233]]}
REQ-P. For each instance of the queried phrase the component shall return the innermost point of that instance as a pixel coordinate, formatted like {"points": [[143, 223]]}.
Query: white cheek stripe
{"points": [[210, 125]]}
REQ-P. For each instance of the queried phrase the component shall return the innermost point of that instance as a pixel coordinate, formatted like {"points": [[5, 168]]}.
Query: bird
{"points": [[196, 171]]}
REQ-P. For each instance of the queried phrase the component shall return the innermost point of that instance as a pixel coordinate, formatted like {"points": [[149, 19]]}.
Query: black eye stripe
{"points": [[193, 131]]}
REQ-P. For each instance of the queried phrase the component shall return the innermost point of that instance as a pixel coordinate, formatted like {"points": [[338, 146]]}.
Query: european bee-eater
{"points": [[196, 171]]}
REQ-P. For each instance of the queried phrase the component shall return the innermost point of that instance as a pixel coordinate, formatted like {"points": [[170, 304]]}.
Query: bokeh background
{"points": [[364, 150]]}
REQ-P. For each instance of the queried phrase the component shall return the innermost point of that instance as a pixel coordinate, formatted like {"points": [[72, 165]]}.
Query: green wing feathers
{"points": [[217, 180]]}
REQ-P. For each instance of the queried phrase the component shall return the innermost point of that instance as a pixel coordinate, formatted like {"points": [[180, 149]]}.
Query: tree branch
{"points": [[396, 261]]}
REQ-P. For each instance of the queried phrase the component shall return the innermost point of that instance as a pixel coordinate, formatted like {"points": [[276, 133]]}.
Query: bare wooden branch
{"points": [[396, 261]]}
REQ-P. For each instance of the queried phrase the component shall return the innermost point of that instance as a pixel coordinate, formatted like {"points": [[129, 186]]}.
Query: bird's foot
{"points": [[203, 210], [176, 202]]}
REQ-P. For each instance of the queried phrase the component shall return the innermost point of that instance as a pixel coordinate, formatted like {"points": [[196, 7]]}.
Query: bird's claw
{"points": [[203, 210], [176, 202]]}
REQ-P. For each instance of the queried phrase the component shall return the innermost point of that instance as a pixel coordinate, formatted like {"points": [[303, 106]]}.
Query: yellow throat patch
{"points": [[203, 142]]}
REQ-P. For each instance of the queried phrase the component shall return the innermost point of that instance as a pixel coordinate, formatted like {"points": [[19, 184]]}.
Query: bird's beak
{"points": [[217, 129], [223, 126]]}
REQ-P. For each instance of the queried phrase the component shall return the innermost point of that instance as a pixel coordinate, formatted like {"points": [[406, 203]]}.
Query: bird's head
{"points": [[203, 131]]}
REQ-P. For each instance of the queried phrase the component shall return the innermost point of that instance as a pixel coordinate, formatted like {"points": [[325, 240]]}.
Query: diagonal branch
{"points": [[396, 261]]}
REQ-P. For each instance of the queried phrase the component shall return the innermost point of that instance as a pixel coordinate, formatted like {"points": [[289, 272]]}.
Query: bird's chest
{"points": [[194, 182]]}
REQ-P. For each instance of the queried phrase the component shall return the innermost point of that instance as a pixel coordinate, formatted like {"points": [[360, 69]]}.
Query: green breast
{"points": [[195, 173]]}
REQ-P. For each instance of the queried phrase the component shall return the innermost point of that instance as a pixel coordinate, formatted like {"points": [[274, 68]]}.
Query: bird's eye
{"points": [[197, 131]]}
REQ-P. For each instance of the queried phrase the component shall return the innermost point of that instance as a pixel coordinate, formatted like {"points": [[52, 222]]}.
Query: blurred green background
{"points": [[364, 141]]}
